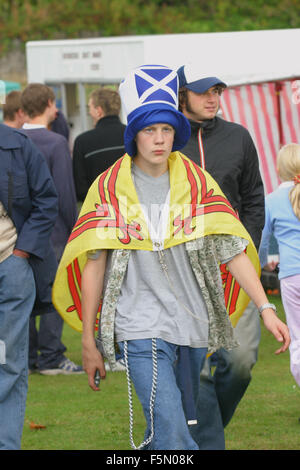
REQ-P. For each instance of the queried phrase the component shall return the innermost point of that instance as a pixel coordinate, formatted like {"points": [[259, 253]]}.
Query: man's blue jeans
{"points": [[17, 295], [171, 431]]}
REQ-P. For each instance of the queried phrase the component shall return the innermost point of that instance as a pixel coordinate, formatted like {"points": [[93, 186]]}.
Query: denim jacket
{"points": [[204, 254], [28, 194]]}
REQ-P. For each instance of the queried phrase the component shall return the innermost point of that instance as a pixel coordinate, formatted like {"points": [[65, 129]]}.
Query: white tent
{"points": [[261, 68]]}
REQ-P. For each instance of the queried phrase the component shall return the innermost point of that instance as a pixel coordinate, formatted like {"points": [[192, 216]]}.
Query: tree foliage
{"points": [[24, 20]]}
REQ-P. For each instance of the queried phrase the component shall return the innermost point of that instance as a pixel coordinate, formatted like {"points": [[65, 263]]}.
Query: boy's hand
{"points": [[278, 329], [92, 361]]}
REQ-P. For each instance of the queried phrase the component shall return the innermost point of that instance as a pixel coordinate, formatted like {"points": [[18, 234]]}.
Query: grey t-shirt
{"points": [[150, 305]]}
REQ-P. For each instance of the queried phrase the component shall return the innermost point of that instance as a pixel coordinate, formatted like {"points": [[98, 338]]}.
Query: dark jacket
{"points": [[55, 149], [231, 159], [60, 125], [28, 194], [95, 151]]}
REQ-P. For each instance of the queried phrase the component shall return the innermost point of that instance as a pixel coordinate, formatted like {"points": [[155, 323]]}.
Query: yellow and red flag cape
{"points": [[111, 218]]}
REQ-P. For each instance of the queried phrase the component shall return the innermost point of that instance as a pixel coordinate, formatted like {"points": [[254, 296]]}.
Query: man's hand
{"points": [[20, 253], [278, 329]]}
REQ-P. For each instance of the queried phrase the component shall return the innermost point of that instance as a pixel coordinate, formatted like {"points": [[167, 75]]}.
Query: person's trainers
{"points": [[119, 368], [66, 367]]}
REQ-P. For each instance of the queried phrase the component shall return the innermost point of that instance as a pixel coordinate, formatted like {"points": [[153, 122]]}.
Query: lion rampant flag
{"points": [[111, 218]]}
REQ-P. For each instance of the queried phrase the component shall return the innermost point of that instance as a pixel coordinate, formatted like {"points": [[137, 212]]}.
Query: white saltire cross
{"points": [[157, 84]]}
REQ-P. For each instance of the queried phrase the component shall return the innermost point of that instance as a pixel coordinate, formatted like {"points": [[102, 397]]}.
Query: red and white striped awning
{"points": [[271, 113]]}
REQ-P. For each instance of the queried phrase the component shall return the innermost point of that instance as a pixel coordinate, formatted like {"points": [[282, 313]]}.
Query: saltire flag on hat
{"points": [[149, 84], [149, 96]]}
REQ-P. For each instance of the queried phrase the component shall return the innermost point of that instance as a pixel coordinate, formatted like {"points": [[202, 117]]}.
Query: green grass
{"points": [[76, 418]]}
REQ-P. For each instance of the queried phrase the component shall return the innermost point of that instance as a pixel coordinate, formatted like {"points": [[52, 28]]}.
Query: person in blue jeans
{"points": [[157, 268], [28, 210]]}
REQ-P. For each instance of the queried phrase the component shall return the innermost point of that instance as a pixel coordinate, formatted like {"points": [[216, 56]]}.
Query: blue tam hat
{"points": [[149, 96]]}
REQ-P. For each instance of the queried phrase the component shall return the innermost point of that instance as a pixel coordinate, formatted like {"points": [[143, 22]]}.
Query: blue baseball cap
{"points": [[149, 95], [189, 78]]}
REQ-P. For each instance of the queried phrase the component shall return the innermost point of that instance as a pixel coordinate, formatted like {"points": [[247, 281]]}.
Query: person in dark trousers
{"points": [[28, 210], [38, 102], [97, 149], [226, 150]]}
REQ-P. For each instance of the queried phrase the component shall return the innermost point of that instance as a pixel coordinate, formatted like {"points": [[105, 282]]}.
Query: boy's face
{"points": [[154, 145]]}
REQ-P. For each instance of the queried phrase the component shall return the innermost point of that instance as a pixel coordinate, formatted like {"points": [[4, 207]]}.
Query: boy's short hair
{"points": [[12, 105], [35, 99], [108, 99]]}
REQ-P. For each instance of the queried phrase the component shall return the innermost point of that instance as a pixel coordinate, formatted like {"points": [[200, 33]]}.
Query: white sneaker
{"points": [[120, 366], [66, 367]]}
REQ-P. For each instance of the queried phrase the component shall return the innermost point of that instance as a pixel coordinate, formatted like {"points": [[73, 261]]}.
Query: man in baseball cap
{"points": [[199, 97], [226, 150]]}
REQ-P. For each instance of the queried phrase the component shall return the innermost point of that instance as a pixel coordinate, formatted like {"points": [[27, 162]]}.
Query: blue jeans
{"points": [[17, 295], [171, 431], [221, 392]]}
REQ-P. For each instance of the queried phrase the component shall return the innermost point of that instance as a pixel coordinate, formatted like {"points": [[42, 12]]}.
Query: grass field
{"points": [[76, 418]]}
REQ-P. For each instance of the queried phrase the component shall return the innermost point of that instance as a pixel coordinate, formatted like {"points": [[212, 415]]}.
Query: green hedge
{"points": [[24, 20]]}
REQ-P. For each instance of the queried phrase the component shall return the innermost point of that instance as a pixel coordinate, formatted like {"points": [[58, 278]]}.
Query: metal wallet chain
{"points": [[152, 396]]}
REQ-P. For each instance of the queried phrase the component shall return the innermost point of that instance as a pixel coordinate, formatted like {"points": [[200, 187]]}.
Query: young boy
{"points": [[149, 242]]}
